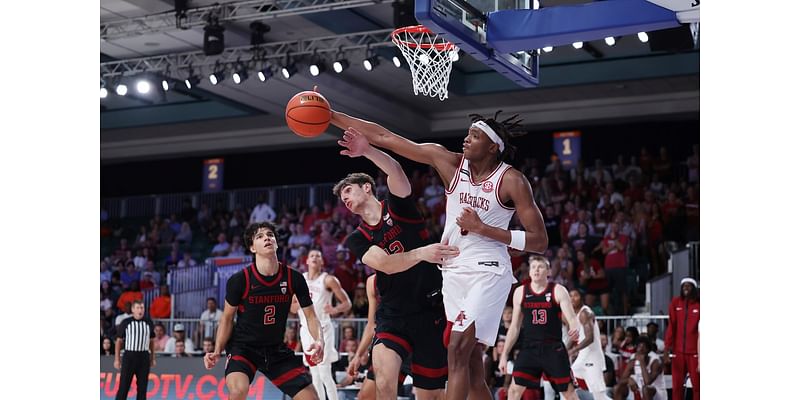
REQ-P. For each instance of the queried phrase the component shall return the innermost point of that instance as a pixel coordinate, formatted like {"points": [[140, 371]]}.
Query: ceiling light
{"points": [[191, 81], [103, 93], [643, 37], [396, 61], [240, 74], [122, 89], [370, 63], [577, 45], [547, 49], [216, 77], [288, 70], [340, 65], [143, 87], [611, 41], [265, 74]]}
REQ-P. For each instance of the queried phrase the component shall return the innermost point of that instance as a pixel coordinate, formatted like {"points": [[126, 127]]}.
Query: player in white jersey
{"points": [[322, 287], [644, 376], [589, 361], [483, 192]]}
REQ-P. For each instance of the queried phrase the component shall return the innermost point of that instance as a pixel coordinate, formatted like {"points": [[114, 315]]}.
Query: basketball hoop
{"points": [[429, 57]]}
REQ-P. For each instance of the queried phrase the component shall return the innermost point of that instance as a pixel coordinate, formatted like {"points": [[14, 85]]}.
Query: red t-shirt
{"points": [[616, 258]]}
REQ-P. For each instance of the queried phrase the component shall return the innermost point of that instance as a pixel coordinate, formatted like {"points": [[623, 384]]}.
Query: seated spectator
{"points": [[106, 347], [652, 334], [179, 333], [236, 249], [348, 333], [360, 307], [222, 247], [184, 234], [130, 274], [180, 349], [643, 375], [106, 299], [147, 281], [172, 259], [208, 345], [161, 337], [209, 318], [505, 323], [124, 315], [105, 272], [592, 278], [140, 260], [494, 378], [291, 339], [297, 239], [432, 194], [609, 375], [162, 305], [187, 260], [129, 296], [150, 268]]}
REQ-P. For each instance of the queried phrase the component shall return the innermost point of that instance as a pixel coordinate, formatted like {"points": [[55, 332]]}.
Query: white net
{"points": [[429, 57]]}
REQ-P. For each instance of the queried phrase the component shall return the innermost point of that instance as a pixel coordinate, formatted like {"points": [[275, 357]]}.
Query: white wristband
{"points": [[517, 240]]}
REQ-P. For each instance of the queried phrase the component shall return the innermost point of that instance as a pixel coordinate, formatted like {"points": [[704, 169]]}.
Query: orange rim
{"points": [[418, 29]]}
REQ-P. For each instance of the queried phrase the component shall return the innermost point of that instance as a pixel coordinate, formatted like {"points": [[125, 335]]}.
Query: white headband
{"points": [[490, 132], [689, 280]]}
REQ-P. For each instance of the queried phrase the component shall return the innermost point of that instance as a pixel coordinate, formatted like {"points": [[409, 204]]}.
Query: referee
{"points": [[138, 335]]}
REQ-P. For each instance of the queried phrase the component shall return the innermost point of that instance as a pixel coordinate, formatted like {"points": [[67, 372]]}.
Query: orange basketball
{"points": [[308, 114]]}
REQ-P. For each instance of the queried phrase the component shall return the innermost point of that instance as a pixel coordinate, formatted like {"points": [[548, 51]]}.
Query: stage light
{"points": [[122, 89]]}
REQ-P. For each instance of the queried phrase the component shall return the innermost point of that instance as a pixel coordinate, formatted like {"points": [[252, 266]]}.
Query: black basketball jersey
{"points": [[541, 315], [400, 229], [262, 303]]}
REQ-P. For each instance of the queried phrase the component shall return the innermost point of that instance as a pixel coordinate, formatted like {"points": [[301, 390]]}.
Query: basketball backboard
{"points": [[506, 35]]}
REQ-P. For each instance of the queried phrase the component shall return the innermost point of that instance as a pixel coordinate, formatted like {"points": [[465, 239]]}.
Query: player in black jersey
{"points": [[393, 240], [538, 309], [260, 296]]}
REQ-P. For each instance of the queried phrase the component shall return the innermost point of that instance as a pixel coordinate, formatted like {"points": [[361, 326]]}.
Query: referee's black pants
{"points": [[134, 362]]}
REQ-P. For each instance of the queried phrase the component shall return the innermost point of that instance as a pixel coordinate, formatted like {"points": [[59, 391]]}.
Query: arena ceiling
{"points": [[629, 82]]}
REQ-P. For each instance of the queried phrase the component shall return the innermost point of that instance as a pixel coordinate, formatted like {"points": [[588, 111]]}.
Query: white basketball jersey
{"points": [[593, 353], [320, 296], [658, 382], [477, 253]]}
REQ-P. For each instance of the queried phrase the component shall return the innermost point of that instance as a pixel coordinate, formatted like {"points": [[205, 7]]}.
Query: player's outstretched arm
{"points": [[444, 161], [316, 351], [434, 253], [586, 319], [333, 284], [356, 145], [369, 329], [513, 330], [224, 331], [516, 187], [562, 296]]}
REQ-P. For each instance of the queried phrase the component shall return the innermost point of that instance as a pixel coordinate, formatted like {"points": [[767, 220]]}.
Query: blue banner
{"points": [[567, 146], [213, 170]]}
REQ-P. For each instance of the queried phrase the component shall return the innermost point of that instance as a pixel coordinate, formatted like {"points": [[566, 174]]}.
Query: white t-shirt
{"points": [[170, 346], [262, 212], [208, 316]]}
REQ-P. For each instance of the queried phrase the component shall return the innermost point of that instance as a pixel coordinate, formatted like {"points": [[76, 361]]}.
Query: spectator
{"points": [[297, 240], [209, 318], [652, 334], [360, 307], [162, 305], [348, 333], [105, 273], [663, 166], [140, 260], [208, 345], [180, 349], [141, 237], [433, 192], [172, 259], [184, 235], [347, 276], [682, 338], [150, 268], [592, 278], [187, 260], [310, 218], [656, 186], [609, 375], [495, 379], [129, 296], [628, 346], [161, 338], [262, 211], [124, 315], [105, 298], [222, 247], [505, 323], [599, 173], [179, 333], [106, 346], [165, 233], [130, 274], [236, 249], [693, 162], [291, 339], [188, 213], [552, 222], [147, 281], [615, 247]]}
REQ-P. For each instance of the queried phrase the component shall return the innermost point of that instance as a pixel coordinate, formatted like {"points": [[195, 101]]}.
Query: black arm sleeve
{"points": [[300, 288], [234, 289], [358, 243], [122, 327], [404, 207]]}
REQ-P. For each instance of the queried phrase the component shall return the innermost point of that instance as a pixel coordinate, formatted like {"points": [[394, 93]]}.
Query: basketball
{"points": [[308, 114]]}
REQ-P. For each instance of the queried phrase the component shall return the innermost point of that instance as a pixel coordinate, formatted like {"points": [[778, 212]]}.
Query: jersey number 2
{"points": [[269, 315], [539, 317]]}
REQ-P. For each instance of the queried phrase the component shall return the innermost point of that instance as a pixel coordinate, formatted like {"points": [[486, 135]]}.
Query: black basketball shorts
{"points": [[544, 360], [279, 364]]}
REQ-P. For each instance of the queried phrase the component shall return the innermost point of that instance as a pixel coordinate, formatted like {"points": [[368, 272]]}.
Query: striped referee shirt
{"points": [[136, 333]]}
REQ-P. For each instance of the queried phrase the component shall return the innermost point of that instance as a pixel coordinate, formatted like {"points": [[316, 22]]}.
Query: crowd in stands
{"points": [[609, 227]]}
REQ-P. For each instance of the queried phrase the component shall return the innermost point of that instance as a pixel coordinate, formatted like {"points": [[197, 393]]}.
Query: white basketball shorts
{"points": [[591, 373], [476, 297]]}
